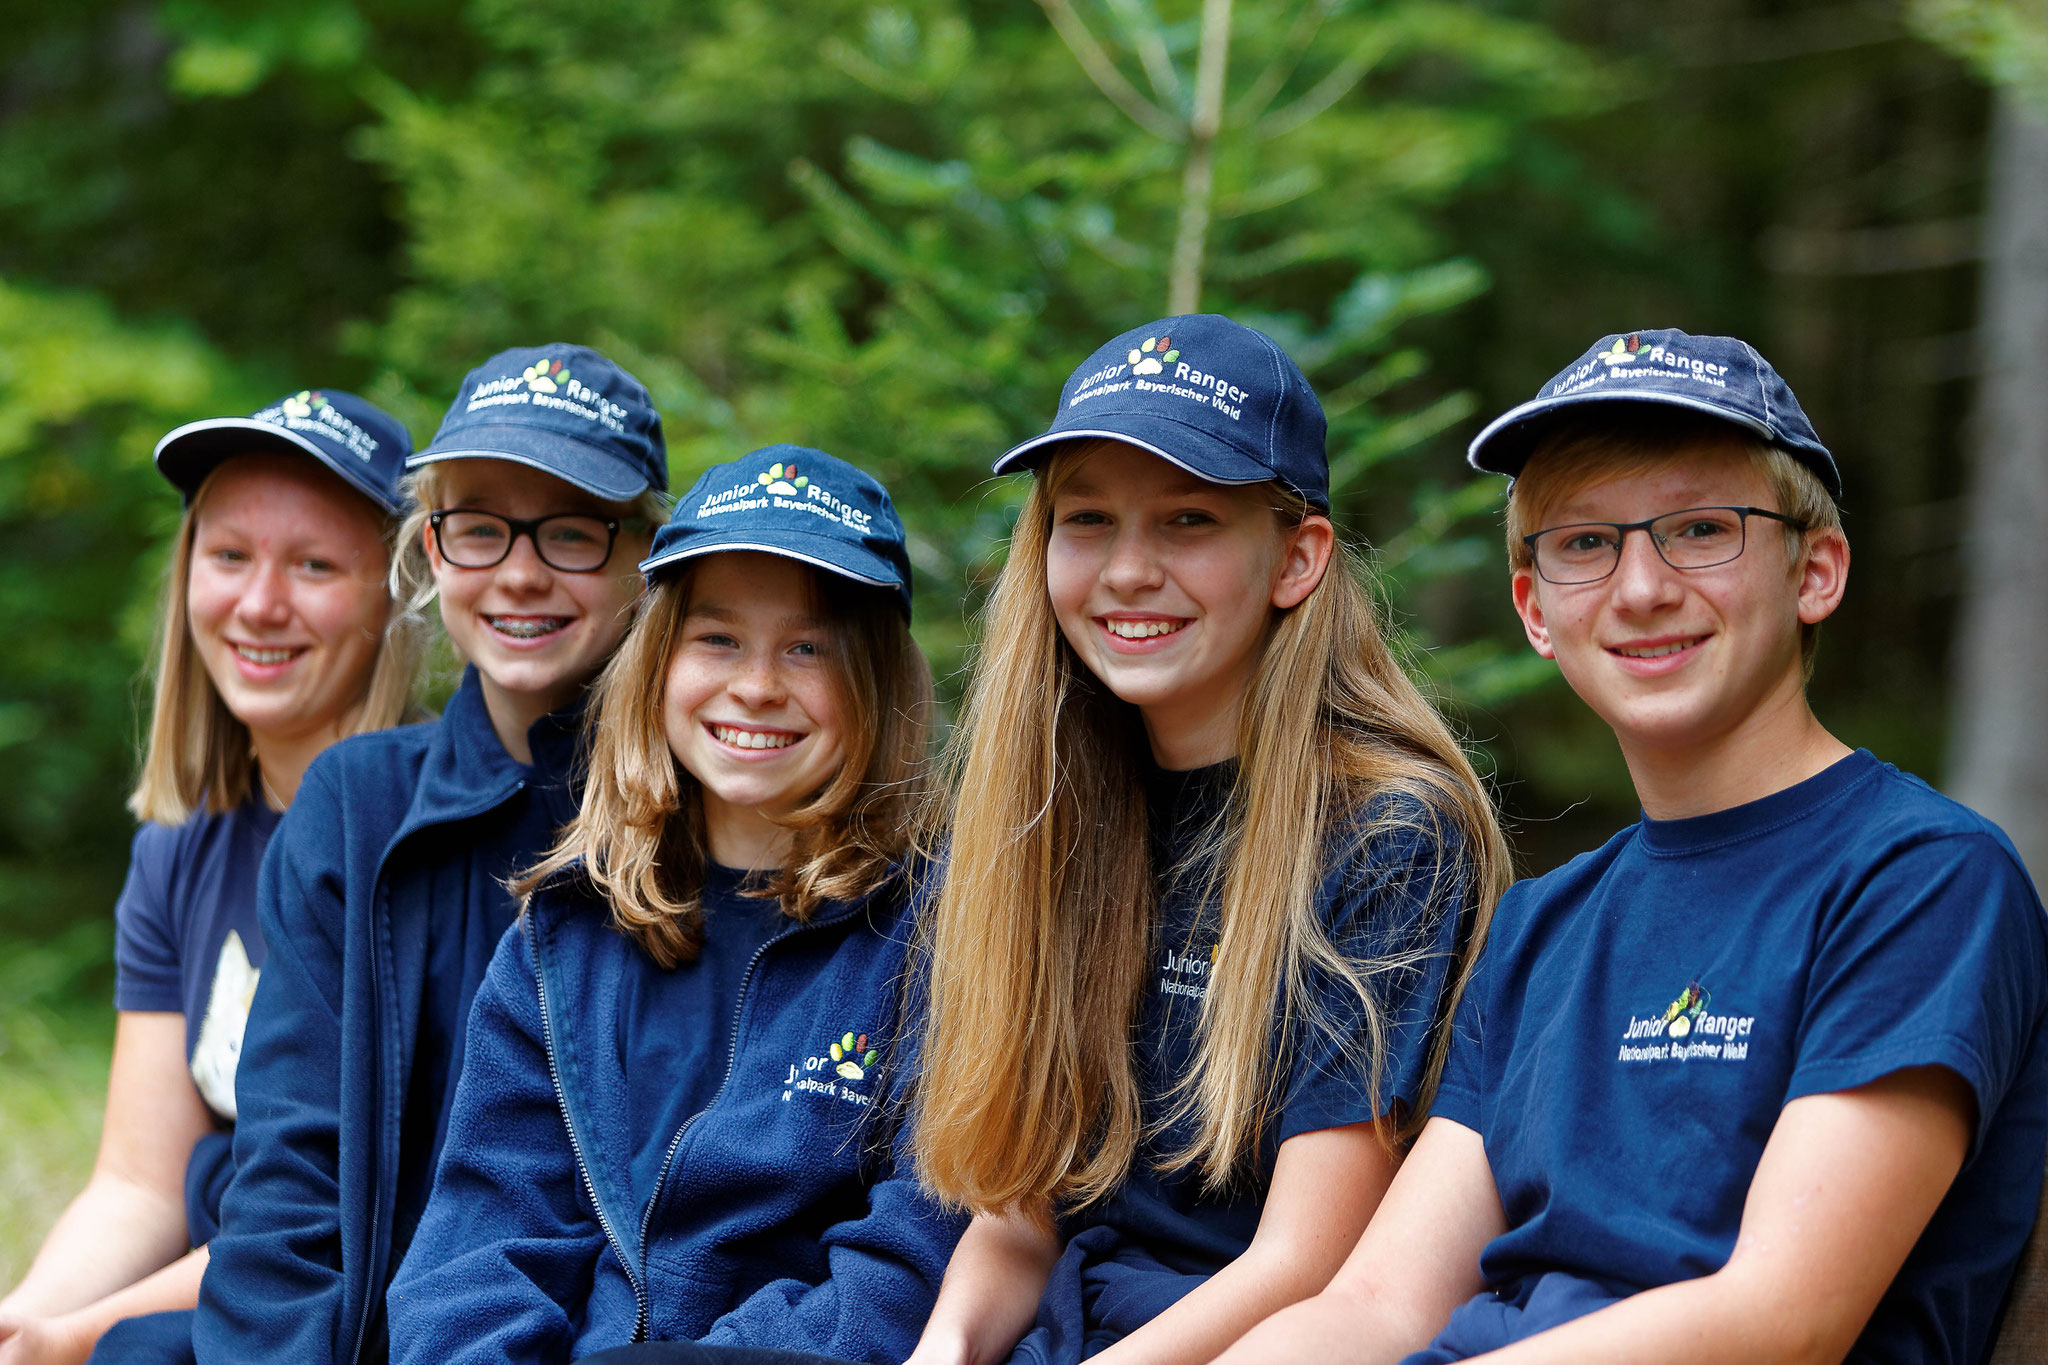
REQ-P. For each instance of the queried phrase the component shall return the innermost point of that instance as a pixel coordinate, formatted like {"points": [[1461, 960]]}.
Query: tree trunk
{"points": [[1998, 755]]}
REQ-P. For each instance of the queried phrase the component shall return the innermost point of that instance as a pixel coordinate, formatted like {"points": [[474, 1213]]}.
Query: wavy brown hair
{"points": [[1038, 945], [640, 829]]}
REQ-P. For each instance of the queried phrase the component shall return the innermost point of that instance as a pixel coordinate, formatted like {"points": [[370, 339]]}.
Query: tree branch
{"points": [[1301, 35], [1184, 283], [1110, 81], [1142, 25], [1327, 91]]}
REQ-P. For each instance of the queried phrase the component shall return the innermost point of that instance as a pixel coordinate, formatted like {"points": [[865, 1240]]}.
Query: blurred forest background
{"points": [[889, 227]]}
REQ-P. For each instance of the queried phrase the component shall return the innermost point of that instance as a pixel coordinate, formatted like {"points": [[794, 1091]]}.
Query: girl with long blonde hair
{"points": [[276, 636], [1216, 876], [673, 1132]]}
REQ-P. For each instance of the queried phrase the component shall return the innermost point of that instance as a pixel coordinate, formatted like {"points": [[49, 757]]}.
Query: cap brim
{"points": [[820, 552], [1504, 446], [1217, 462], [187, 455], [595, 471]]}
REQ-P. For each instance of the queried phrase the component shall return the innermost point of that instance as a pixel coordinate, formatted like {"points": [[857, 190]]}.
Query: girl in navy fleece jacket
{"points": [[381, 897], [671, 1124]]}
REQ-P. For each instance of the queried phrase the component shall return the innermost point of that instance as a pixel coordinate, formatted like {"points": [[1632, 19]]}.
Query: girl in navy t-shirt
{"points": [[1214, 876], [276, 635], [668, 1128]]}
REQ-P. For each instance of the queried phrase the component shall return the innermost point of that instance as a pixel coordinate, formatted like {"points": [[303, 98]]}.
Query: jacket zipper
{"points": [[547, 1027], [732, 1058]]}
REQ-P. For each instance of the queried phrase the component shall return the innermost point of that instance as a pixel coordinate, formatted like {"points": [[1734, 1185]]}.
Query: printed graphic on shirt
{"points": [[849, 1057], [1668, 1035], [781, 488], [1187, 973], [219, 1049]]}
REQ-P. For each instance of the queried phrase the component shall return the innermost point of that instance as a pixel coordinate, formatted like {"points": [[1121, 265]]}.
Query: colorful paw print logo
{"points": [[1690, 1005], [1623, 351], [304, 403], [783, 479], [546, 376], [1153, 356], [853, 1056]]}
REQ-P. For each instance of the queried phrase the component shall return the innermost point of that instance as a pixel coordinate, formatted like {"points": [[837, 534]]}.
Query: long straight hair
{"points": [[1037, 948], [640, 828], [198, 756]]}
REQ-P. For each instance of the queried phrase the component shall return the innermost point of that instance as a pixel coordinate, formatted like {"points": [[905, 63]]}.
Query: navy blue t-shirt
{"points": [[675, 1027], [1384, 897], [185, 935], [1641, 1016]]}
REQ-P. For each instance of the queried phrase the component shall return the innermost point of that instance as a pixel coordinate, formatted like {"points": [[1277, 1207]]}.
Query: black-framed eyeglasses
{"points": [[571, 542], [1691, 538]]}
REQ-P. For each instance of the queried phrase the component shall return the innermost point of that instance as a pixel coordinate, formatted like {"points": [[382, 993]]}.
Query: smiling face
{"points": [[1167, 587], [285, 598], [1687, 663], [752, 707], [535, 634]]}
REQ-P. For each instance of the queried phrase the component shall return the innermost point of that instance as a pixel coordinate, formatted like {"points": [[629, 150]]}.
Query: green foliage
{"points": [[83, 399], [2005, 40]]}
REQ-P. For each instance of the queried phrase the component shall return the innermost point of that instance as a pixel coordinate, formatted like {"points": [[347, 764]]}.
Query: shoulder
{"points": [[1898, 813], [1533, 899]]}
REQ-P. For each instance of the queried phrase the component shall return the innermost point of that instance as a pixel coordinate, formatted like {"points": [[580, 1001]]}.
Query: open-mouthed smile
{"points": [[750, 739]]}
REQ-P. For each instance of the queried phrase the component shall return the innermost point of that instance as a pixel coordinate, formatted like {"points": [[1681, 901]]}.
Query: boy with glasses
{"points": [[1764, 1077]]}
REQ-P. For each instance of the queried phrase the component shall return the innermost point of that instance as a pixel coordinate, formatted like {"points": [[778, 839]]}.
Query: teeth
{"points": [[527, 627], [265, 656], [1657, 652], [1141, 630], [752, 739]]}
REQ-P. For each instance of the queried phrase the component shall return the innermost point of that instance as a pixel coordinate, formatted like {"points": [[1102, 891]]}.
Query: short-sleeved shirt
{"points": [[1640, 1017], [1380, 898], [185, 936]]}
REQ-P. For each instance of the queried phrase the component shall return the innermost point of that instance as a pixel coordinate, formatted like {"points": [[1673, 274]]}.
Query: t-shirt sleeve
{"points": [[146, 935], [1396, 910], [1463, 1083], [1940, 959]]}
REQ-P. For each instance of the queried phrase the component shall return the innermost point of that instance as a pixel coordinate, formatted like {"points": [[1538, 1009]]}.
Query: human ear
{"points": [[1529, 606], [1303, 560], [1823, 575]]}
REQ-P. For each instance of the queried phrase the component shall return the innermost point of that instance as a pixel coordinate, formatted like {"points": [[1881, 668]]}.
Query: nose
{"points": [[758, 684], [1134, 561], [267, 599], [523, 570], [1642, 581]]}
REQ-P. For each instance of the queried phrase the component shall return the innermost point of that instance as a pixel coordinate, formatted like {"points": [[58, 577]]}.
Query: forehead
{"points": [[514, 489], [747, 583], [283, 492], [1695, 474], [1117, 469]]}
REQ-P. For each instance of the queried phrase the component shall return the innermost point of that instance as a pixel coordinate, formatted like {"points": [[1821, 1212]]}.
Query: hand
{"points": [[42, 1341]]}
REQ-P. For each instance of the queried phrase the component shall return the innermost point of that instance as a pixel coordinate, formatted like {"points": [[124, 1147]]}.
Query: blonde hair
{"points": [[412, 573], [198, 755], [640, 829], [1592, 448], [1039, 941]]}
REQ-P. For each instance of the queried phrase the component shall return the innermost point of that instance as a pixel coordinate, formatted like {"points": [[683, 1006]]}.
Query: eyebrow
{"points": [[729, 616]]}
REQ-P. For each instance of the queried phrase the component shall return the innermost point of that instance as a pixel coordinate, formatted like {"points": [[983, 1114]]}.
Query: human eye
{"points": [[318, 567], [1584, 540], [1083, 517], [1193, 517], [572, 531], [1702, 527]]}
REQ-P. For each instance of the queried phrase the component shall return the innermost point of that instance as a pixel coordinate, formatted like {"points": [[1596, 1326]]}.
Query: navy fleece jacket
{"points": [[778, 1216], [381, 901]]}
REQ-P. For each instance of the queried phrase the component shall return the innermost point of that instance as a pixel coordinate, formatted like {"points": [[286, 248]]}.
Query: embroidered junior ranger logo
{"points": [[841, 1071]]}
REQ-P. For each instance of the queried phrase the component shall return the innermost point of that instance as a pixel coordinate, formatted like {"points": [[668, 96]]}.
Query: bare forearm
{"points": [[1336, 1326], [1224, 1307], [169, 1290], [1720, 1319], [112, 1235], [991, 1291]]}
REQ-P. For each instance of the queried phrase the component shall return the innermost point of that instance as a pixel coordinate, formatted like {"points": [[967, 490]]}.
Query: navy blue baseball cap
{"points": [[795, 502], [1213, 396], [1720, 376], [564, 409], [355, 438]]}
